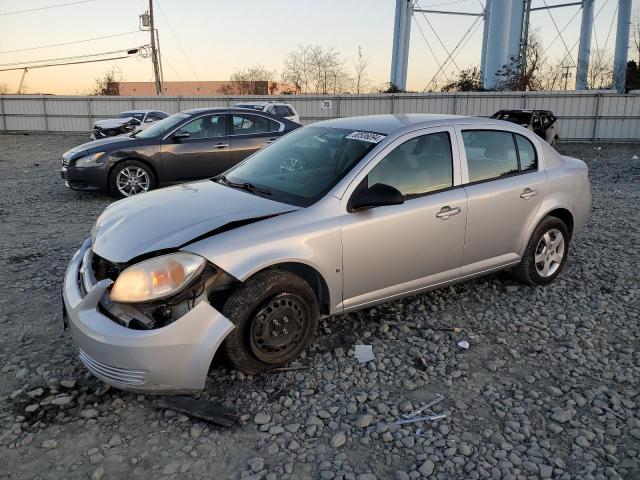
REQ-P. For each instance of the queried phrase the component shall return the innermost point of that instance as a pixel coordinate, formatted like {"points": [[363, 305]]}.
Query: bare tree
{"points": [[635, 31], [600, 74], [4, 89], [107, 84], [551, 76], [360, 64], [255, 80], [314, 69]]}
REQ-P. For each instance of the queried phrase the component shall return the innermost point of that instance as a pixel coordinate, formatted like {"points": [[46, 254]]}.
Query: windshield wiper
{"points": [[249, 187]]}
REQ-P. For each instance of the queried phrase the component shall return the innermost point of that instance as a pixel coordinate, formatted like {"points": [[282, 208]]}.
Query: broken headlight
{"points": [[156, 278]]}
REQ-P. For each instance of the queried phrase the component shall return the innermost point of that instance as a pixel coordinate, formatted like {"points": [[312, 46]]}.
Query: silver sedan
{"points": [[333, 217]]}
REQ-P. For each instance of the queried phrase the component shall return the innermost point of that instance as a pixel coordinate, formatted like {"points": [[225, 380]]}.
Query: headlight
{"points": [[156, 278], [90, 160]]}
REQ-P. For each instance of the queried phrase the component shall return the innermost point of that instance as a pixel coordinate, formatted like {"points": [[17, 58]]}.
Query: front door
{"points": [[392, 250], [505, 190], [199, 149], [250, 133]]}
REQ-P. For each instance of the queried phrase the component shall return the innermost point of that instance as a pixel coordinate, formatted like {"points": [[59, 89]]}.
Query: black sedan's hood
{"points": [[103, 145]]}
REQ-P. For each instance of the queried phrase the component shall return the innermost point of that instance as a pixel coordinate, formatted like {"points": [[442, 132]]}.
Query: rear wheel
{"points": [[276, 314], [131, 177], [546, 253]]}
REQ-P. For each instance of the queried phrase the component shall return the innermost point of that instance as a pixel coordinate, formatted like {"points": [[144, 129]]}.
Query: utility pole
{"points": [[154, 50], [566, 75]]}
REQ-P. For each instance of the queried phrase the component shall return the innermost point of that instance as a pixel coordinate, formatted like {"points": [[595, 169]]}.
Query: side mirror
{"points": [[179, 136], [378, 195]]}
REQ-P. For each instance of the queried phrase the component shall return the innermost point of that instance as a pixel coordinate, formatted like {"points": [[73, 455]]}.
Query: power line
{"points": [[424, 37], [438, 37], [65, 63], [178, 41], [166, 60], [63, 58], [71, 43], [47, 8], [559, 32]]}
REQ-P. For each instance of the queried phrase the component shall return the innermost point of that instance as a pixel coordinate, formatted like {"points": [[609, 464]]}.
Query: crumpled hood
{"points": [[113, 122], [171, 217]]}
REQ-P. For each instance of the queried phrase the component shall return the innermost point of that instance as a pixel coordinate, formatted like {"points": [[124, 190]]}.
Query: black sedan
{"points": [[186, 146]]}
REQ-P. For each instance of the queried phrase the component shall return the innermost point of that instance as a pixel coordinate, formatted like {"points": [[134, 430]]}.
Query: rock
{"points": [[35, 393], [89, 413], [338, 440], [62, 401], [256, 464], [364, 421], [115, 441], [562, 416], [261, 419], [32, 408], [426, 469], [98, 474], [48, 444], [68, 383]]}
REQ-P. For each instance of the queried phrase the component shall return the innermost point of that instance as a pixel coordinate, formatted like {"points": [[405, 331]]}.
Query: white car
{"points": [[126, 122], [279, 109]]}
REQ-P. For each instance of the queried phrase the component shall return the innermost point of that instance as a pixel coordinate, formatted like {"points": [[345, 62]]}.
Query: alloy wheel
{"points": [[132, 181], [549, 253]]}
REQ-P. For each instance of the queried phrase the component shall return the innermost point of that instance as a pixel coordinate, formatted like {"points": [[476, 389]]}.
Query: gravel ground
{"points": [[549, 388]]}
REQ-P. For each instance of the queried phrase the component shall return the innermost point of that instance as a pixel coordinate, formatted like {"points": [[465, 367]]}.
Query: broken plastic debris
{"points": [[418, 411], [364, 353], [463, 344], [421, 419]]}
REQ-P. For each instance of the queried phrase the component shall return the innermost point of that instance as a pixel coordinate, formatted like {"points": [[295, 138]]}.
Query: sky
{"points": [[210, 39]]}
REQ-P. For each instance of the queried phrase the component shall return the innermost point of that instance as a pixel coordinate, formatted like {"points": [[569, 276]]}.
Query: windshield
{"points": [[136, 115], [162, 127], [304, 165]]}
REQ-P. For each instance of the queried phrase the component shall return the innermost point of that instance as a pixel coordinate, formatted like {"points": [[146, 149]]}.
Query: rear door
{"points": [[505, 188], [250, 133], [205, 152]]}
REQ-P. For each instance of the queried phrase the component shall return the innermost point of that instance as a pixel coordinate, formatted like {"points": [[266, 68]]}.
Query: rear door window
{"points": [[527, 154], [252, 124], [490, 154]]}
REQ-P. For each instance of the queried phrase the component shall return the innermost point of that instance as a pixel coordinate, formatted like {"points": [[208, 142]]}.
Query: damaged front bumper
{"points": [[171, 359]]}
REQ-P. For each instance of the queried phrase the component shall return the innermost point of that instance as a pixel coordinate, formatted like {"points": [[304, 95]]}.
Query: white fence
{"points": [[582, 115]]}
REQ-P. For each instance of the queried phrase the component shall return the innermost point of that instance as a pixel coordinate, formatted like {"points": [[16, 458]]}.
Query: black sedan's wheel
{"points": [[130, 178], [276, 314], [546, 253]]}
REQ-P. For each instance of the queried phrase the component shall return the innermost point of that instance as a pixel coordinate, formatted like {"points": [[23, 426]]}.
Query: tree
{"points": [[468, 81], [360, 66], [107, 84], [519, 75], [633, 77], [3, 89], [255, 80], [314, 69], [635, 32], [600, 74]]}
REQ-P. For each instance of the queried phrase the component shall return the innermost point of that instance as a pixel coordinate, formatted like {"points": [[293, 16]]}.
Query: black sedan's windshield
{"points": [[162, 127], [304, 165]]}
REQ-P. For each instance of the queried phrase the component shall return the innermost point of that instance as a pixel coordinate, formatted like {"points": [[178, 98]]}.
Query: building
{"points": [[214, 87]]}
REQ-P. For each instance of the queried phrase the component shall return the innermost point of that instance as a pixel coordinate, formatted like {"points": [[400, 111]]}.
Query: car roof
{"points": [[139, 111], [390, 123], [245, 111]]}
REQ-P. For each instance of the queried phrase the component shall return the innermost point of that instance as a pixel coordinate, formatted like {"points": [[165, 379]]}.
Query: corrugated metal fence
{"points": [[583, 115]]}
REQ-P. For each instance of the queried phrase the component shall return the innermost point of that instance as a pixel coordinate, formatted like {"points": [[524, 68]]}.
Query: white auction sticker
{"points": [[366, 137]]}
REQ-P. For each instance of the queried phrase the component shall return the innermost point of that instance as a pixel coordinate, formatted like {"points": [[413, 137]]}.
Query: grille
{"points": [[113, 375]]}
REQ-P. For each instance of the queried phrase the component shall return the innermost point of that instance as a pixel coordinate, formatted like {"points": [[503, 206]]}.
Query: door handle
{"points": [[446, 212], [527, 193], [271, 140], [221, 145]]}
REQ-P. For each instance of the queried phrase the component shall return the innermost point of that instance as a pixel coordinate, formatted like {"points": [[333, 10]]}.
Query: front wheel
{"points": [[276, 314], [546, 253], [131, 177]]}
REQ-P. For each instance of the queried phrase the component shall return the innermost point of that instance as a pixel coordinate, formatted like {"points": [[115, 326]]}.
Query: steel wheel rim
{"points": [[549, 253], [132, 181], [278, 328], [291, 164]]}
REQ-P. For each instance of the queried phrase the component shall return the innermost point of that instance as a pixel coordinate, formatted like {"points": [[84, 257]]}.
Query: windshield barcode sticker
{"points": [[366, 137]]}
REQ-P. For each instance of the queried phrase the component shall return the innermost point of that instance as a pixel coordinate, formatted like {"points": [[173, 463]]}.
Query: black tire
{"points": [[130, 164], [527, 270], [259, 308]]}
